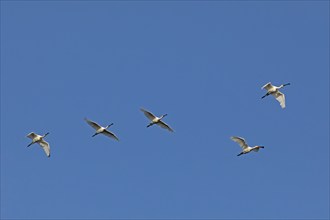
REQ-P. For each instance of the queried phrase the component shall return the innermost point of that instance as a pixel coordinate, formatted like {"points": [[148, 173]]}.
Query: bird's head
{"points": [[261, 146], [163, 116], [286, 84]]}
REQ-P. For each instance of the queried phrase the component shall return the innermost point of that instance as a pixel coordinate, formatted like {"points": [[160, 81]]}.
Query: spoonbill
{"points": [[246, 148], [274, 90], [156, 120], [101, 130], [40, 140]]}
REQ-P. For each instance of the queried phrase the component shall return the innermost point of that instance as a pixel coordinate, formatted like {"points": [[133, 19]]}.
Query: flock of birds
{"points": [[271, 90]]}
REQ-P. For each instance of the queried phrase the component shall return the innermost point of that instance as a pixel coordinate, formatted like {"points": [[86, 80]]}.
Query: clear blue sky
{"points": [[203, 63]]}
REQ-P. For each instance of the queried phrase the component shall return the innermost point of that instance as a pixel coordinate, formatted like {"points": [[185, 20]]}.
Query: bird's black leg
{"points": [[95, 134], [267, 94]]}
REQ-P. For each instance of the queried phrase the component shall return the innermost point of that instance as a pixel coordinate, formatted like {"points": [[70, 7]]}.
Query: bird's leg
{"points": [[240, 154], [30, 144], [95, 134], [149, 125], [267, 94]]}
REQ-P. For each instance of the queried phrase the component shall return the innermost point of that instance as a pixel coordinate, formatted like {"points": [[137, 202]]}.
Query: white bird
{"points": [[246, 148], [99, 129], [156, 120], [274, 90], [39, 139]]}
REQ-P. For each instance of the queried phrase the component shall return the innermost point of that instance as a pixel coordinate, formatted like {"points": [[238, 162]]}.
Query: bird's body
{"points": [[39, 139], [246, 148], [156, 120], [274, 90], [101, 130]]}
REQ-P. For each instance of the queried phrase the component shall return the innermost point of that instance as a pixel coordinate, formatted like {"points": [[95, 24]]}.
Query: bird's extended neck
{"points": [[163, 116], [286, 84], [109, 125], [46, 134]]}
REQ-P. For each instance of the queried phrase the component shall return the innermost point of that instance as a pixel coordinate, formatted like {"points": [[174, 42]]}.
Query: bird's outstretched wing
{"points": [[110, 134], [148, 114], [164, 125], [268, 86], [280, 97], [31, 135], [240, 141], [45, 147], [93, 124]]}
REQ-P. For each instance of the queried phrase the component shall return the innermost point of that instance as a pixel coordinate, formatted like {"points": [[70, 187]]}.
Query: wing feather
{"points": [[240, 141], [148, 114], [268, 86], [45, 147], [93, 124], [31, 135], [110, 134], [164, 125], [280, 97]]}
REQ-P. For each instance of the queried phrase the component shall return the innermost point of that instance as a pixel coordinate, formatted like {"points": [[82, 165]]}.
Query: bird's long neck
{"points": [[286, 84], [46, 134], [259, 147], [109, 125], [163, 116]]}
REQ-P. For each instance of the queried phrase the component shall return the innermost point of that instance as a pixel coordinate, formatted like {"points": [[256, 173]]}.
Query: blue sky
{"points": [[201, 62]]}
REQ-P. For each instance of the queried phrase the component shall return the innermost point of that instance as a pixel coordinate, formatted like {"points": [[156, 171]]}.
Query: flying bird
{"points": [[246, 148], [101, 130], [156, 120], [40, 140], [274, 90]]}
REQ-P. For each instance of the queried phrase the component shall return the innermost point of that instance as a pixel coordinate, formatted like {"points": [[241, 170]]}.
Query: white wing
{"points": [[110, 134], [164, 125], [32, 135], [148, 114], [280, 97], [93, 124], [45, 147], [240, 141], [268, 86]]}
